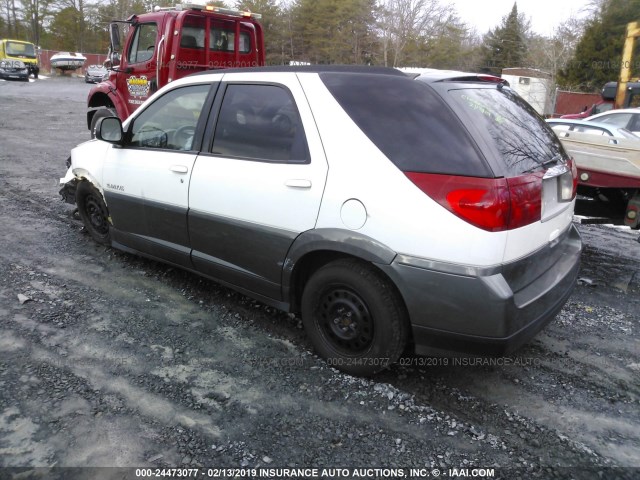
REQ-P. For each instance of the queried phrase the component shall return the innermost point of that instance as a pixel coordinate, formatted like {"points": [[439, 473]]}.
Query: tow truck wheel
{"points": [[100, 113]]}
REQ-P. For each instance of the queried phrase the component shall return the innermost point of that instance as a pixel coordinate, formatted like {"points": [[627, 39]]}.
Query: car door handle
{"points": [[298, 183], [179, 168]]}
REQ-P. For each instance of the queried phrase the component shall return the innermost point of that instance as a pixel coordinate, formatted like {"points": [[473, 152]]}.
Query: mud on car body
{"points": [[438, 216]]}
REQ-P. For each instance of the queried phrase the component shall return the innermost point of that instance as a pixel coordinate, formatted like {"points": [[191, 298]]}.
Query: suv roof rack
{"points": [[312, 69]]}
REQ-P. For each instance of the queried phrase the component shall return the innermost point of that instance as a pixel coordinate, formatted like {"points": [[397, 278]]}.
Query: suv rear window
{"points": [[523, 141], [408, 122]]}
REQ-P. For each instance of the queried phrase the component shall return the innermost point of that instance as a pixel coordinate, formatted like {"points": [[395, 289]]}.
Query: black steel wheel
{"points": [[93, 212], [346, 320], [354, 317]]}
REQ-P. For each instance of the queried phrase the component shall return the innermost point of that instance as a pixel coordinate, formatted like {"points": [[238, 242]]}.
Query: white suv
{"points": [[433, 212]]}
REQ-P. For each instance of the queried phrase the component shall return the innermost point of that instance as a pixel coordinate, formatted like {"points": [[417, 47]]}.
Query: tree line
{"points": [[396, 33]]}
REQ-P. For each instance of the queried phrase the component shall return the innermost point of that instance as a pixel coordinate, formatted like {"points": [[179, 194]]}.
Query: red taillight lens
{"points": [[525, 194], [493, 204]]}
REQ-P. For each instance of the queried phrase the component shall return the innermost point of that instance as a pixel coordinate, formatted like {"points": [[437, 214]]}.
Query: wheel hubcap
{"points": [[346, 321]]}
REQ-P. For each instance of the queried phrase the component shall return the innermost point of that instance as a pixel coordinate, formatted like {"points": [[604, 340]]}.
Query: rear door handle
{"points": [[179, 168], [298, 183]]}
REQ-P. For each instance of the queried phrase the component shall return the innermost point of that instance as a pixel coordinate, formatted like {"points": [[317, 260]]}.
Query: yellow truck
{"points": [[13, 51]]}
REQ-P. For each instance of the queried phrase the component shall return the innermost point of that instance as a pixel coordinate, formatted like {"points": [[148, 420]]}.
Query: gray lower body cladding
{"points": [[488, 311]]}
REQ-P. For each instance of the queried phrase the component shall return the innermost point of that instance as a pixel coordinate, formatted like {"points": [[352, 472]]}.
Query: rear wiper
{"points": [[554, 159]]}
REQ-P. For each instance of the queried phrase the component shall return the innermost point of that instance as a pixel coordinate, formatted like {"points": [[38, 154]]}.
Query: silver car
{"points": [[95, 73], [593, 127]]}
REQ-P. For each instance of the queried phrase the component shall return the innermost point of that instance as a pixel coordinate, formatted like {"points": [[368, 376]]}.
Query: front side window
{"points": [[603, 107], [170, 122], [260, 122], [143, 44]]}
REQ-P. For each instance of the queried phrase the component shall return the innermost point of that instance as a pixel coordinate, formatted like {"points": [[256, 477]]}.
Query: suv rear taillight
{"points": [[493, 204]]}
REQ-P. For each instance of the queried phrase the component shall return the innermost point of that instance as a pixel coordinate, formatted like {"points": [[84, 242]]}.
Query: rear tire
{"points": [[354, 317], [93, 212]]}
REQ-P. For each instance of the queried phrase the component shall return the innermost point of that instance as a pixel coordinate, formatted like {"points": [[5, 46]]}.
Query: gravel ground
{"points": [[114, 360]]}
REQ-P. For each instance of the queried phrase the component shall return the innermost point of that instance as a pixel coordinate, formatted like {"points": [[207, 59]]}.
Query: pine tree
{"points": [[506, 46], [334, 31], [599, 52], [275, 29]]}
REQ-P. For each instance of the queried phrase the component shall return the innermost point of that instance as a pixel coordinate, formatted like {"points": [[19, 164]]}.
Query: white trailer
{"points": [[535, 86]]}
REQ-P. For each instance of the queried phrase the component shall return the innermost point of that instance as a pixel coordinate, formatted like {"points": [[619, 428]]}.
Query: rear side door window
{"points": [[260, 122]]}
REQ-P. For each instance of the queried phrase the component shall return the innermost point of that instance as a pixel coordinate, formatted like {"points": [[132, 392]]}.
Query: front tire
{"points": [[100, 113], [93, 212], [354, 317]]}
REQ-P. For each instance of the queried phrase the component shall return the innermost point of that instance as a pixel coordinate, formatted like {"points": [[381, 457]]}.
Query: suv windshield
{"points": [[523, 140]]}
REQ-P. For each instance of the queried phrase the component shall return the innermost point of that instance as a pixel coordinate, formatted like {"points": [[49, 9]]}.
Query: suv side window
{"points": [[143, 44], [260, 122], [592, 131], [170, 121], [617, 119], [408, 122]]}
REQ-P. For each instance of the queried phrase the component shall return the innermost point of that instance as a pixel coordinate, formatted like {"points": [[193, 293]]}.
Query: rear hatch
{"points": [[472, 145], [533, 176]]}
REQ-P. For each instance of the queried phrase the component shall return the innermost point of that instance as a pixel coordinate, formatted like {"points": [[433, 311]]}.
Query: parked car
{"points": [[601, 106], [95, 74], [389, 212], [628, 118], [560, 125], [14, 69]]}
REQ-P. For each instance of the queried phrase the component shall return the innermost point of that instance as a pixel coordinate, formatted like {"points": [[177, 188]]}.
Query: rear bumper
{"points": [[486, 311]]}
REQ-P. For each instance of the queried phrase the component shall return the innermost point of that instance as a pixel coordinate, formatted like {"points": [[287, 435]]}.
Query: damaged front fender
{"points": [[68, 183], [85, 163], [68, 191]]}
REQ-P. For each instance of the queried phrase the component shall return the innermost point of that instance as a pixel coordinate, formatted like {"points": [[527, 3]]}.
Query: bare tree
{"points": [[403, 21]]}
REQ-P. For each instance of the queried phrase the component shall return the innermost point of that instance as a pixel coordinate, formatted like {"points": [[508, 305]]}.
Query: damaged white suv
{"points": [[433, 213]]}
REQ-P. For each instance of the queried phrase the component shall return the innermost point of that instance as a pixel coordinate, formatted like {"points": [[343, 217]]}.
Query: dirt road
{"points": [[119, 361]]}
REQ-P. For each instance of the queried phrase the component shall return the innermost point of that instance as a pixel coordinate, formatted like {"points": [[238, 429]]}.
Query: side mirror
{"points": [[114, 34], [113, 60], [109, 129]]}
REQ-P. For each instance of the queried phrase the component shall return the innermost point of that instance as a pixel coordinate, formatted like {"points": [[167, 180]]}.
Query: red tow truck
{"points": [[167, 44]]}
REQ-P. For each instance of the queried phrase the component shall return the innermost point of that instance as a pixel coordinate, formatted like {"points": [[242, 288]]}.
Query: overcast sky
{"points": [[544, 14]]}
